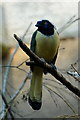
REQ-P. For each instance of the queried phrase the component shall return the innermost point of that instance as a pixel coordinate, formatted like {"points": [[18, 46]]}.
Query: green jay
{"points": [[45, 43]]}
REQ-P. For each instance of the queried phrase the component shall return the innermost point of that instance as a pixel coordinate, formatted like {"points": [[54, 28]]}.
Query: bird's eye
{"points": [[45, 23]]}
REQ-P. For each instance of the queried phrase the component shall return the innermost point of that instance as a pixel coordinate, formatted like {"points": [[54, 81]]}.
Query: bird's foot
{"points": [[43, 60], [45, 71], [54, 67]]}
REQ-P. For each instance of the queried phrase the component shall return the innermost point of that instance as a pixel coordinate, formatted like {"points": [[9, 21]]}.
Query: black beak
{"points": [[39, 23], [36, 25]]}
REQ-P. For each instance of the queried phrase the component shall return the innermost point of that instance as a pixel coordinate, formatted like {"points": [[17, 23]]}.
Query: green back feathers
{"points": [[33, 41], [33, 45]]}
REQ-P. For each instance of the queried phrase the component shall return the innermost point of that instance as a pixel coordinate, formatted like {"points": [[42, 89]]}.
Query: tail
{"points": [[35, 94]]}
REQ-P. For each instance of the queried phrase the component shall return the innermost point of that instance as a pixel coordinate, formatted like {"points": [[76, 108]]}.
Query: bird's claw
{"points": [[53, 66], [43, 60]]}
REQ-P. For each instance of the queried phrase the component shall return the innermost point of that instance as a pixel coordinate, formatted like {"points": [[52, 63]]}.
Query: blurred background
{"points": [[15, 18]]}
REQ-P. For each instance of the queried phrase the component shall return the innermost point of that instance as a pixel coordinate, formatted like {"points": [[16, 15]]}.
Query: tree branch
{"points": [[48, 67], [68, 24], [7, 107], [19, 89], [8, 69]]}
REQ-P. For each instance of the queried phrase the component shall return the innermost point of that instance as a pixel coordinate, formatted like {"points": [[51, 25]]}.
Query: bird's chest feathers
{"points": [[46, 46]]}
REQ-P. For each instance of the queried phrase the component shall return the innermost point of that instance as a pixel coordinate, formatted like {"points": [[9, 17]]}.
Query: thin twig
{"points": [[55, 86], [63, 89], [8, 69], [68, 24], [22, 69], [7, 107], [51, 95], [18, 66], [75, 74], [6, 76], [19, 89], [12, 66], [60, 97], [17, 114], [75, 68], [71, 106], [70, 73], [22, 63], [69, 116], [47, 79]]}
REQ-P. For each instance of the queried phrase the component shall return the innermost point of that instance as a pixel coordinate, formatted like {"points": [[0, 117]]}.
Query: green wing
{"points": [[33, 45], [54, 59], [33, 42]]}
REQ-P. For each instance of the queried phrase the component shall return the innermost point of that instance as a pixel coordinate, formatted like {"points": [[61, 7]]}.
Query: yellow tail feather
{"points": [[36, 84]]}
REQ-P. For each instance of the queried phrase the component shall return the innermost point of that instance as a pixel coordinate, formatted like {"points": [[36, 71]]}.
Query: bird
{"points": [[45, 44]]}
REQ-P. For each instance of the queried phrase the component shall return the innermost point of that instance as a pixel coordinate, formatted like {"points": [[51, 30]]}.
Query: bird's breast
{"points": [[47, 46]]}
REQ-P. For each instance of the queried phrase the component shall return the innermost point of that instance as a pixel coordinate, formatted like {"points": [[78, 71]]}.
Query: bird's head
{"points": [[45, 27]]}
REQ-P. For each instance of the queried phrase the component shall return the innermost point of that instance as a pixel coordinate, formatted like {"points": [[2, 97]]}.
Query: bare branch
{"points": [[75, 69], [8, 69], [69, 116], [48, 67], [17, 114], [12, 66], [20, 88], [68, 24], [7, 107], [60, 97], [22, 63], [17, 93]]}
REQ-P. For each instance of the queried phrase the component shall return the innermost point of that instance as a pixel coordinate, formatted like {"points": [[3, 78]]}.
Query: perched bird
{"points": [[45, 43]]}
